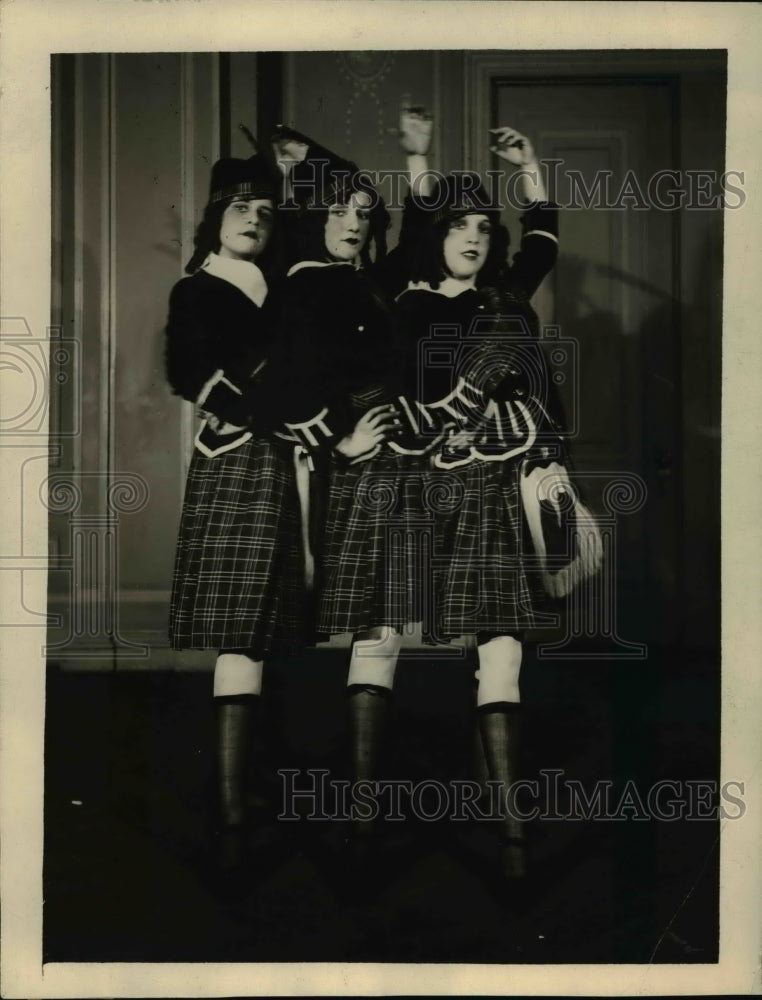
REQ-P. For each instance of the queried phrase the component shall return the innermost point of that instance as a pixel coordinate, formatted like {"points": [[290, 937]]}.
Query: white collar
{"points": [[318, 263], [449, 287], [244, 274]]}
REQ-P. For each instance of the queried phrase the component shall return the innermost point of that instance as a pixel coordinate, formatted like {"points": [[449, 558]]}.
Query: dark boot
{"points": [[479, 767], [500, 730], [368, 707], [235, 720]]}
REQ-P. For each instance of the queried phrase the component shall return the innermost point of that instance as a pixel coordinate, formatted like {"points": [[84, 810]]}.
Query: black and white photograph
{"points": [[380, 446]]}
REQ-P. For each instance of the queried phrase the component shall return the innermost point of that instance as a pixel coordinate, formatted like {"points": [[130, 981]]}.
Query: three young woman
{"points": [[410, 501]]}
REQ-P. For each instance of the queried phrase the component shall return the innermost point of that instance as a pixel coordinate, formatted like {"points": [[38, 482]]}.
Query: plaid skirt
{"points": [[406, 542], [239, 572]]}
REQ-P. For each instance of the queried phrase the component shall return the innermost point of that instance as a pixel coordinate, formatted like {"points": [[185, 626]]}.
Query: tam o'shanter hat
{"points": [[322, 178], [252, 178], [459, 194]]}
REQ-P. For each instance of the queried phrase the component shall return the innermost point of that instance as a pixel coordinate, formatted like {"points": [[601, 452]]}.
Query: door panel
{"points": [[613, 295]]}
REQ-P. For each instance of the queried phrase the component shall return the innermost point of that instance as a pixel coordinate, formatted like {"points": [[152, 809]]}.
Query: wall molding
{"points": [[109, 270], [187, 227]]}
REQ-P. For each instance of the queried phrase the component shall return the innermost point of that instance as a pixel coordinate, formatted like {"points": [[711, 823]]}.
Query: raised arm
{"points": [[414, 134], [517, 149], [414, 137], [539, 238]]}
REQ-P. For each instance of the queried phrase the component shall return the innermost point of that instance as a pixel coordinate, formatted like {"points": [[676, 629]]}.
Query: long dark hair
{"points": [[425, 253], [207, 240]]}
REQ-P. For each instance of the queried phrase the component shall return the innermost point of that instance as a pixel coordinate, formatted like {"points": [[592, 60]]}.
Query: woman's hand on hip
{"points": [[370, 431]]}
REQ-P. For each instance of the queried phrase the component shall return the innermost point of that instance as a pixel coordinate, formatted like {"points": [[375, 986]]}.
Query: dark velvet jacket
{"points": [[334, 353], [216, 339], [487, 335]]}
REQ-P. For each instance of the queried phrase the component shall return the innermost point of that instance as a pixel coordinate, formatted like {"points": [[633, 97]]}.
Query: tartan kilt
{"points": [[407, 542], [239, 573], [369, 562]]}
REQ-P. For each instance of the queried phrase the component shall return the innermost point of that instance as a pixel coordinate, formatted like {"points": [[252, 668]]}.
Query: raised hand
{"points": [[512, 146], [415, 128], [288, 152], [370, 431]]}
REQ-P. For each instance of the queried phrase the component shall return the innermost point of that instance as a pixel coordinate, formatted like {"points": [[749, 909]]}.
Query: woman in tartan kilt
{"points": [[473, 477], [238, 583], [337, 356]]}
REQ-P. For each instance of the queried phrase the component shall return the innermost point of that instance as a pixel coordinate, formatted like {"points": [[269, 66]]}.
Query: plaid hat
{"points": [[322, 178], [254, 178], [459, 194]]}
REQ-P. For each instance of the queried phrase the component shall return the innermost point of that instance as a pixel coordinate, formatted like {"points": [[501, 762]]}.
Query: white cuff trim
{"points": [[206, 388], [218, 449], [542, 232], [304, 430]]}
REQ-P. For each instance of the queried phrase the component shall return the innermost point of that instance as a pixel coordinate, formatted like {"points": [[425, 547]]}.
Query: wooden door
{"points": [[614, 344], [612, 296]]}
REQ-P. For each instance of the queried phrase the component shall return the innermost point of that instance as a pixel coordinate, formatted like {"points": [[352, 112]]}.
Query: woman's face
{"points": [[347, 226], [466, 246], [246, 227]]}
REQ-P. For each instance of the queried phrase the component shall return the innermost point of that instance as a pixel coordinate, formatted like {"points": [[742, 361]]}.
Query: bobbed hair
{"points": [[207, 239], [305, 234], [425, 253]]}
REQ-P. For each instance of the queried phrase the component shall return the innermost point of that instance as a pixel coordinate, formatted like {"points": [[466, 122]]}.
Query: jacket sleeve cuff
{"points": [[344, 462], [313, 433], [212, 441], [222, 397]]}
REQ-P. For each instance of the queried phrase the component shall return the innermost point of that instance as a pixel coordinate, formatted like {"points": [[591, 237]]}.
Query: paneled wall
{"points": [[350, 101], [134, 136]]}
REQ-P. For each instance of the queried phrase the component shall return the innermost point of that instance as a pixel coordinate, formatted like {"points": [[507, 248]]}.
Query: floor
{"points": [[128, 765]]}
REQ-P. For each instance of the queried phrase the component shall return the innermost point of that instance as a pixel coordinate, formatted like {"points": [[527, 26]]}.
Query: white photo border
{"points": [[30, 31]]}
